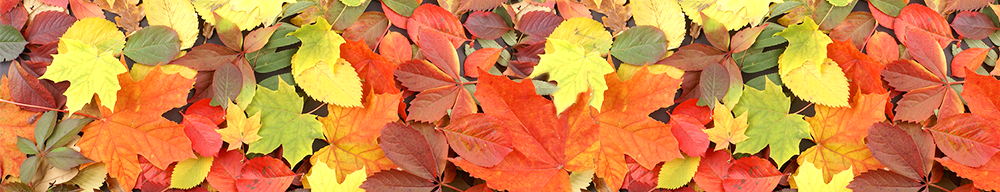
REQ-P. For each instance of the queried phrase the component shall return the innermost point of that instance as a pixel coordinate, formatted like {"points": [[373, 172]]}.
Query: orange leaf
{"points": [[840, 134], [352, 134], [967, 138], [882, 47], [983, 177], [137, 118], [375, 70], [14, 123], [980, 93], [394, 47], [432, 17], [970, 59], [482, 59], [919, 17], [863, 71]]}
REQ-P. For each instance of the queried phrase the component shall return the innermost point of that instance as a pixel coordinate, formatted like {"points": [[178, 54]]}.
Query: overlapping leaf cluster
{"points": [[557, 95]]}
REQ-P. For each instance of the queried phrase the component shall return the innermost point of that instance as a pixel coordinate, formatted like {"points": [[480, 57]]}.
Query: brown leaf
{"points": [[973, 25], [371, 27], [857, 27]]}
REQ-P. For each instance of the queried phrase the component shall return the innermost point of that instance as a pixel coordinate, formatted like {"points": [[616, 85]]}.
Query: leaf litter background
{"points": [[662, 115]]}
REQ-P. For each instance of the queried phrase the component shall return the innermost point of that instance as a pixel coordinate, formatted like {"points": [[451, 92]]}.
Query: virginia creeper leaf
{"points": [[894, 148], [967, 139], [973, 25], [921, 18]]}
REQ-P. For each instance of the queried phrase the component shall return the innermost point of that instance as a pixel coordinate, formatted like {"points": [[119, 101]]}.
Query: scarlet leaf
{"points": [[693, 57], [919, 17], [966, 5], [691, 109], [395, 48], [929, 54], [481, 139], [640, 178], [883, 180], [374, 70], [690, 137], [440, 84], [478, 5], [967, 138], [895, 149], [538, 25], [752, 174], [883, 18], [712, 169], [970, 59], [882, 48], [202, 108], [862, 71], [978, 93], [482, 59], [201, 131], [47, 27], [486, 25], [973, 25], [437, 19], [25, 87], [983, 177], [15, 17], [856, 28], [264, 174]]}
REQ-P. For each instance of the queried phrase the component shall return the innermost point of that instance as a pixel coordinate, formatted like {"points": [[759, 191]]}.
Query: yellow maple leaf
{"points": [[95, 31], [89, 71], [808, 178], [734, 14], [241, 130], [727, 129], [352, 133], [576, 70], [321, 178], [824, 85], [176, 14], [585, 32], [663, 14]]}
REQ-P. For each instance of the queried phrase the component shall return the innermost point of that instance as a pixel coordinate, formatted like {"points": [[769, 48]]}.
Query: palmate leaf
{"points": [[282, 123], [770, 123], [839, 136], [352, 133]]}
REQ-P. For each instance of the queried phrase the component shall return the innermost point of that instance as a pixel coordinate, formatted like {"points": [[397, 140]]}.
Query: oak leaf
{"points": [[576, 69], [770, 123]]}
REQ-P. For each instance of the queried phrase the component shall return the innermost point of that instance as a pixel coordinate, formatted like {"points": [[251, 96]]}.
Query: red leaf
{"points": [[752, 174], [883, 19], [980, 93], [206, 57], [538, 25], [47, 27], [926, 91], [640, 178], [970, 59], [712, 169], [152, 178], [481, 59], [570, 9], [478, 188], [43, 53], [375, 71], [921, 18], [370, 27], [479, 138], [973, 25], [408, 149], [395, 48], [434, 18], [25, 87], [225, 169], [434, 46], [928, 53], [882, 47], [438, 92], [690, 134], [85, 8], [863, 71], [204, 109], [856, 28], [479, 5], [6, 5], [966, 5], [690, 108], [694, 57], [895, 149], [58, 3], [983, 177], [394, 18], [486, 25], [967, 138], [883, 180], [396, 180], [204, 139], [14, 17], [265, 174]]}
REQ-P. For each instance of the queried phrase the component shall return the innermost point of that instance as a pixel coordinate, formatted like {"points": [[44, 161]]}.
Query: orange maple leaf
{"points": [[352, 134], [840, 134], [136, 127], [14, 123]]}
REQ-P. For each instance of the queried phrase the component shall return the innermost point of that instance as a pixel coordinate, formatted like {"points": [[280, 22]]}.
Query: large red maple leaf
{"points": [[136, 127]]}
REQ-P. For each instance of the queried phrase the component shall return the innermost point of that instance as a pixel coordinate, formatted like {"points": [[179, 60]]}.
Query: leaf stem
{"points": [[939, 187], [803, 108], [46, 108], [469, 82], [956, 82], [314, 109], [452, 187]]}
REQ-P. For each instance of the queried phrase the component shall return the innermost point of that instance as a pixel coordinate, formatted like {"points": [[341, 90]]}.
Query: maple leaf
{"points": [[322, 178], [283, 124], [810, 178], [727, 129], [734, 14], [75, 50], [317, 65], [374, 69], [14, 123], [983, 177], [138, 115], [624, 126], [352, 134], [241, 130], [178, 15], [839, 135], [806, 45], [576, 70], [770, 123], [690, 135]]}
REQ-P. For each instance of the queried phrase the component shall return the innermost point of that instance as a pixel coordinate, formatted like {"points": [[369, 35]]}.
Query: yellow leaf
{"points": [[734, 14], [582, 31], [678, 172], [319, 44], [247, 14], [89, 71], [138, 72], [805, 44], [90, 177], [241, 130], [581, 179], [808, 178], [727, 129], [176, 14], [824, 85], [97, 32], [322, 179], [338, 84], [576, 70], [663, 14], [190, 172]]}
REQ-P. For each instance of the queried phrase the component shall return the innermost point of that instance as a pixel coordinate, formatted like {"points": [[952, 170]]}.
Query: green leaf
{"points": [[752, 60], [26, 146], [44, 127], [352, 2], [283, 124], [272, 82], [759, 81], [267, 60], [190, 172], [640, 45], [839, 2], [65, 132], [295, 8], [678, 172], [153, 45], [767, 38], [770, 123], [65, 158], [280, 38], [889, 7], [28, 169], [16, 187], [402, 7], [11, 43]]}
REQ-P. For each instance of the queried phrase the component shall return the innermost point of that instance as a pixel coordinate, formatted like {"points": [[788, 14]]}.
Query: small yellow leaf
{"points": [[190, 172], [138, 72], [678, 172], [241, 130], [824, 85], [808, 178], [805, 44], [727, 129], [582, 31], [322, 179], [336, 84], [663, 14], [319, 44]]}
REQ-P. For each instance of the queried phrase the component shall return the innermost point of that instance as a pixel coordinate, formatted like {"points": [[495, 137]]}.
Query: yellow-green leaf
{"points": [[352, 3], [824, 85], [336, 84], [283, 124], [322, 178], [190, 172], [176, 14], [582, 31], [734, 14], [678, 172], [805, 44], [577, 71], [663, 14], [810, 178], [241, 130], [89, 71], [97, 32], [247, 14], [770, 123], [319, 44], [727, 129]]}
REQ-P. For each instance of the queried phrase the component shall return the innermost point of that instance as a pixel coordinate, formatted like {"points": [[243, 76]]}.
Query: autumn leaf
{"points": [[770, 124], [434, 18], [882, 47], [678, 172], [806, 70], [374, 70], [178, 15], [973, 25], [926, 91], [322, 178], [640, 45], [862, 71], [248, 14], [839, 135], [486, 25], [921, 18], [421, 155], [970, 59], [899, 151], [79, 48], [665, 15], [806, 45], [727, 129], [202, 133], [977, 91], [438, 82], [135, 116], [809, 178], [352, 134], [483, 59], [241, 130], [576, 70], [317, 65], [732, 14], [983, 177], [190, 172], [231, 171], [47, 27], [480, 139], [967, 139], [14, 123], [752, 174], [283, 124]]}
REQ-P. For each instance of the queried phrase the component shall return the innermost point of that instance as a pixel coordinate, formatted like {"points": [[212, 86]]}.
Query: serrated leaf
{"points": [[806, 45], [839, 135], [283, 124], [678, 172], [317, 65], [770, 123], [824, 84], [190, 172], [178, 15], [727, 129], [322, 178], [921, 18], [241, 130], [351, 133], [480, 139], [967, 139], [100, 79], [640, 45], [153, 45], [665, 15], [576, 70], [973, 25], [809, 178]]}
